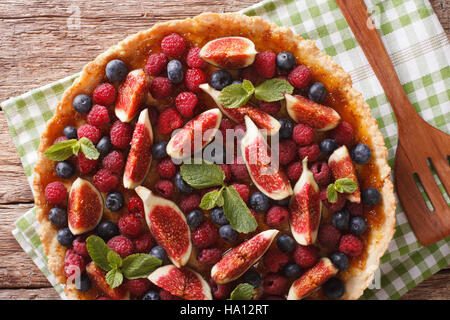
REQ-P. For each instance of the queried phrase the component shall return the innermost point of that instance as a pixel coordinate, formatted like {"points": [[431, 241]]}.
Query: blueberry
{"points": [[327, 146], [285, 243], [107, 229], [283, 202], [361, 153], [317, 92], [259, 202], [218, 216], [285, 61], [159, 150], [292, 270], [182, 185], [252, 277], [237, 82], [286, 128], [83, 283], [158, 252], [340, 260], [114, 201], [151, 295], [220, 79], [228, 233], [358, 225], [70, 132], [58, 216], [82, 103], [341, 219], [370, 196], [65, 169], [175, 71], [333, 288], [104, 146], [194, 218], [65, 237], [116, 70]]}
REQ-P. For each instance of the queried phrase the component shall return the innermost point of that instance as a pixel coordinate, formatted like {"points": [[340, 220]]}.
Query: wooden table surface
{"points": [[37, 48]]}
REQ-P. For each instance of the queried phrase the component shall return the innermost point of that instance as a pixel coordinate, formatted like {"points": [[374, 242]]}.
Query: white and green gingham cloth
{"points": [[420, 51]]}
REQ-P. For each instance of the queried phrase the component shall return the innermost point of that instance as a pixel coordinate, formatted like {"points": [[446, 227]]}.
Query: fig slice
{"points": [[317, 116], [229, 52], [131, 94], [341, 166], [168, 226], [181, 282], [140, 156], [262, 119], [312, 279], [98, 277], [269, 179], [84, 208], [239, 259], [195, 134], [305, 208]]}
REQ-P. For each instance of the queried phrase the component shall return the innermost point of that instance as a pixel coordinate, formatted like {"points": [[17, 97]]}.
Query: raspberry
{"points": [[243, 191], [169, 120], [143, 243], [271, 108], [275, 260], [321, 173], [332, 207], [79, 246], [104, 94], [275, 284], [239, 170], [209, 256], [287, 150], [185, 103], [130, 225], [220, 291], [59, 139], [225, 124], [121, 134], [294, 171], [303, 134], [194, 78], [249, 74], [56, 192], [103, 298], [173, 45], [193, 59], [161, 88], [136, 206], [343, 133], [84, 164], [265, 64], [276, 216], [255, 215], [205, 235], [300, 76], [164, 188], [105, 180], [166, 168], [240, 129], [90, 132], [98, 116], [305, 256], [138, 287], [166, 295], [156, 64], [227, 170], [121, 245], [189, 202], [312, 152], [350, 245], [73, 263], [355, 209], [329, 236], [113, 161]]}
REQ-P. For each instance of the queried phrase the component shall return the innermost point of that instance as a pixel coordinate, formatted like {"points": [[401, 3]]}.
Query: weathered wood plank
{"points": [[29, 294]]}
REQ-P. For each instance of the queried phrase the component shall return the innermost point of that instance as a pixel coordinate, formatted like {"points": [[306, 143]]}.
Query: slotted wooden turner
{"points": [[418, 142]]}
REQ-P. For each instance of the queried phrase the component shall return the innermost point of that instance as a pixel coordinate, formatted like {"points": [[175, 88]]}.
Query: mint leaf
{"points": [[212, 199], [248, 86], [347, 185], [88, 148], [236, 95], [139, 265], [273, 90], [332, 195], [203, 175], [98, 251], [114, 278], [62, 150], [114, 260], [237, 212], [244, 291]]}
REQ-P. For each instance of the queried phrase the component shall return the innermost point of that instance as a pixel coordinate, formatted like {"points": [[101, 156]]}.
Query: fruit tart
{"points": [[212, 158]]}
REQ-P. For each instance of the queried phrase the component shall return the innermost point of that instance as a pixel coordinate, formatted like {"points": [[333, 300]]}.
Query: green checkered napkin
{"points": [[420, 51]]}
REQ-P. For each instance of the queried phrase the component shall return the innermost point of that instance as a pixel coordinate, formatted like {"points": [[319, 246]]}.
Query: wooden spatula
{"points": [[418, 142]]}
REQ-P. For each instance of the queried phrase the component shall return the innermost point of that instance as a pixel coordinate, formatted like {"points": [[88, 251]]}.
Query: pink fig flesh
{"points": [[229, 52]]}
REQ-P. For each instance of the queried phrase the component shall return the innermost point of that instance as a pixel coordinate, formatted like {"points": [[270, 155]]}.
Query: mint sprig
{"points": [[344, 185], [64, 149], [244, 291]]}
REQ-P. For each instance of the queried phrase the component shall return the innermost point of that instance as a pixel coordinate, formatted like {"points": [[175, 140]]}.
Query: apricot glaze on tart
{"points": [[125, 211]]}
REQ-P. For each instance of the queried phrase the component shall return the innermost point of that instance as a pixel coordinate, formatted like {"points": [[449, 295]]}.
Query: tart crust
{"points": [[135, 49]]}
